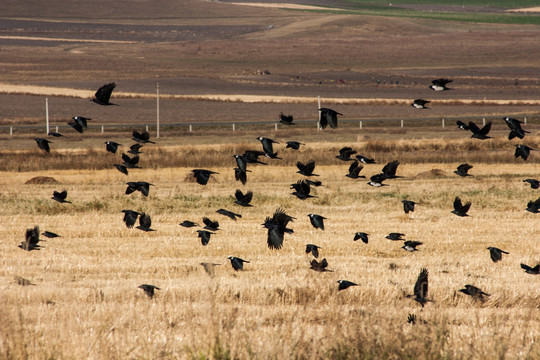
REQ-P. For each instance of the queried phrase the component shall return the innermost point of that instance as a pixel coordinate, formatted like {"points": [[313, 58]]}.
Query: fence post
{"points": [[525, 120], [102, 129], [442, 122], [47, 115], [275, 126], [360, 124], [146, 128], [484, 121], [157, 110], [190, 128], [11, 131], [401, 122], [233, 127]]}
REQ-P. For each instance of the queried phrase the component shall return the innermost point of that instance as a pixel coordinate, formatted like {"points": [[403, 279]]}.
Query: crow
{"points": [[141, 186], [533, 206], [112, 146], [473, 291], [420, 292], [241, 162], [209, 268], [365, 160], [319, 266], [122, 168], [389, 170], [313, 183], [149, 289], [533, 182], [277, 227], [204, 235], [228, 213], [439, 84], [463, 169], [478, 133], [354, 171], [268, 147], [522, 151], [75, 125], [328, 117], [210, 224], [55, 134], [461, 125], [307, 168], [377, 180], [317, 221], [141, 137], [243, 199], [103, 94], [43, 144], [411, 319], [252, 156], [60, 196], [345, 284], [459, 208], [240, 175], [188, 224], [50, 234], [515, 128], [237, 263], [82, 121], [295, 145], [302, 190], [345, 153], [361, 236], [31, 240], [496, 253], [420, 104], [202, 175], [130, 162], [314, 249], [531, 270], [285, 119], [130, 217], [395, 236], [408, 206], [145, 222], [410, 245], [135, 149]]}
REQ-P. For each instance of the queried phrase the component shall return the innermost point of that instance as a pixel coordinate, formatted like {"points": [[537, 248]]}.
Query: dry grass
{"points": [[86, 303]]}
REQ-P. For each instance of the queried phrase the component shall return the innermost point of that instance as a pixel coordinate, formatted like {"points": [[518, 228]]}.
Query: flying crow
{"points": [[515, 128], [237, 263], [301, 190], [295, 145], [420, 292], [314, 249], [459, 208], [317, 221], [365, 160], [439, 84], [31, 239], [478, 133], [149, 289], [103, 94], [473, 291], [145, 222], [60, 196], [328, 117], [496, 253], [141, 186], [141, 137], [285, 119], [408, 206], [130, 162], [377, 180], [43, 144], [319, 266], [202, 175], [345, 153], [243, 199], [354, 171], [361, 236], [533, 206], [306, 169], [410, 245], [112, 146], [389, 170], [210, 224], [531, 270], [395, 236], [345, 284], [533, 182], [277, 227], [420, 104], [130, 217], [188, 224], [268, 147], [205, 236], [228, 213], [463, 169], [522, 151]]}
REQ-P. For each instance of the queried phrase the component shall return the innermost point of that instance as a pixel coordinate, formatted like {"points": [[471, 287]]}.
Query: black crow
{"points": [[202, 175], [122, 168], [365, 160], [188, 224], [204, 235], [50, 234], [307, 168], [421, 288], [314, 249], [135, 149], [389, 170], [459, 208], [515, 128], [478, 133], [55, 134], [377, 180], [130, 162], [75, 125], [354, 171], [268, 147], [285, 119], [60, 196], [533, 206], [82, 121], [319, 266], [328, 117], [522, 151], [533, 182], [103, 94], [228, 213], [241, 162], [395, 236], [531, 270], [112, 146], [209, 268], [149, 289], [439, 84], [141, 137], [31, 239], [145, 222], [295, 145], [461, 125], [277, 227], [408, 206], [313, 183], [252, 156], [463, 169], [237, 263], [43, 144], [141, 186], [22, 281], [130, 217], [345, 153], [496, 253], [210, 224], [302, 190], [410, 245], [243, 199], [473, 291], [420, 104], [361, 236], [411, 319], [317, 221], [345, 284], [240, 175]]}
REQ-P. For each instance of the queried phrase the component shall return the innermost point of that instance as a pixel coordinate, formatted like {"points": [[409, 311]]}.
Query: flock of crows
{"points": [[277, 224]]}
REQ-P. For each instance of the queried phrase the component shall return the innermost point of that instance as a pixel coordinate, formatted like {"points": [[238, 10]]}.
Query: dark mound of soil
{"points": [[42, 180]]}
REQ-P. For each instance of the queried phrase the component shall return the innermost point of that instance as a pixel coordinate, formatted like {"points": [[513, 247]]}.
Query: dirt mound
{"points": [[431, 174], [42, 180]]}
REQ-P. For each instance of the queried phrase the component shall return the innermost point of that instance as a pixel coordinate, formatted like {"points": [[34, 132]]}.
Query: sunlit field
{"points": [[85, 301]]}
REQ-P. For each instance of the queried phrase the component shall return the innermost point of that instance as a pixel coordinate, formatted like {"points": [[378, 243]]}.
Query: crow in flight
{"points": [[515, 128], [389, 170], [295, 145], [473, 291], [130, 162], [112, 146], [141, 137], [496, 253], [188, 224], [345, 284], [122, 168], [522, 151], [43, 144], [237, 263], [439, 84], [268, 147], [130, 218], [317, 221], [205, 236], [243, 199], [228, 213], [135, 149], [463, 169], [277, 227], [345, 153], [202, 175], [210, 224], [319, 266], [149, 289], [533, 206], [531, 270], [459, 208], [306, 169], [301, 190], [103, 94], [141, 186], [328, 117], [478, 133], [410, 245], [285, 119], [354, 171], [420, 104], [395, 236], [377, 180], [365, 160], [361, 236], [408, 206], [145, 222], [314, 249], [533, 182], [60, 196], [31, 239], [421, 288]]}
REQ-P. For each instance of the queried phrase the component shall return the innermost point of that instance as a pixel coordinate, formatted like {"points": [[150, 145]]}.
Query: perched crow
{"points": [[531, 270], [209, 268], [268, 147], [306, 169], [277, 227], [395, 236], [365, 160], [361, 236], [522, 151], [237, 263], [515, 128], [439, 84], [533, 182], [31, 239], [463, 169], [141, 186], [141, 137], [60, 196], [43, 144], [345, 284], [459, 208], [328, 117], [478, 133], [228, 213], [354, 171], [421, 288], [461, 125], [319, 266], [145, 222], [295, 145], [285, 119], [210, 225], [301, 190], [204, 235], [389, 170], [420, 104], [473, 291], [103, 94], [345, 153], [202, 175], [149, 289], [408, 206], [188, 224], [243, 199], [496, 253], [122, 168], [130, 218], [377, 180], [410, 245], [317, 221], [130, 162], [112, 146], [50, 234], [533, 206], [314, 249]]}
